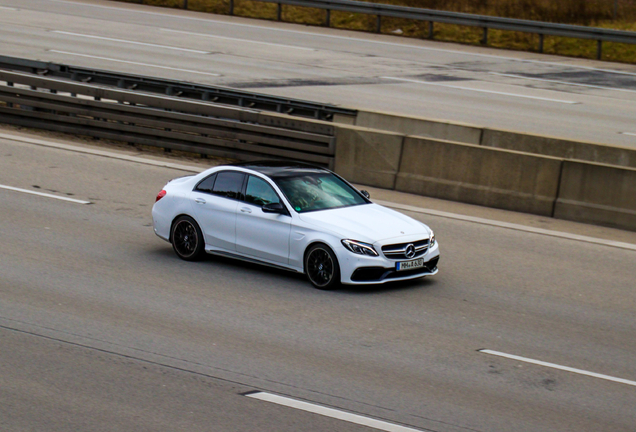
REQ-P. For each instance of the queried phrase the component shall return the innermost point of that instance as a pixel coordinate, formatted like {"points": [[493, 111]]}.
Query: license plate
{"points": [[408, 265]]}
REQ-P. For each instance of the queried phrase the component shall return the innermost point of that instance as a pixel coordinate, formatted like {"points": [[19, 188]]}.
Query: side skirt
{"points": [[251, 260]]}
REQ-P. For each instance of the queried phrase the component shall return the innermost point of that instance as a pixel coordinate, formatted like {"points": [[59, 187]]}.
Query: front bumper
{"points": [[363, 270], [381, 274]]}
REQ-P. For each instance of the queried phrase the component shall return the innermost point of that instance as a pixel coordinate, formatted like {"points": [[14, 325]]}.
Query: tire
{"points": [[187, 239], [321, 267]]}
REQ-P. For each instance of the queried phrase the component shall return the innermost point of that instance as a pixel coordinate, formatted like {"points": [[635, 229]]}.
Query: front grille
{"points": [[398, 251]]}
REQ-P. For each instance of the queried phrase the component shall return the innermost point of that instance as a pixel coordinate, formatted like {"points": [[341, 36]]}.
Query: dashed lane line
{"points": [[331, 412], [556, 366], [130, 42], [15, 189], [134, 63], [480, 90], [237, 39]]}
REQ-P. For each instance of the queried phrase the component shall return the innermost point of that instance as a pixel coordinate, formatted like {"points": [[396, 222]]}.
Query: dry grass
{"points": [[597, 13]]}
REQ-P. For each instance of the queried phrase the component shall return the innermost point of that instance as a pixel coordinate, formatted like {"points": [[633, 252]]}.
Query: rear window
{"points": [[228, 184], [207, 184]]}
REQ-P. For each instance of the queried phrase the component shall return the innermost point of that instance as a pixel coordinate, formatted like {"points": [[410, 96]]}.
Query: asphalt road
{"points": [[102, 327], [548, 95]]}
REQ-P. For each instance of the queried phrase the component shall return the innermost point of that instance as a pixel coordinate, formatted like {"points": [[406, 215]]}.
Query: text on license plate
{"points": [[408, 265]]}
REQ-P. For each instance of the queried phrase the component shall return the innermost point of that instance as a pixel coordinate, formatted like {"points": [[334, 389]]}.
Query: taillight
{"points": [[160, 195]]}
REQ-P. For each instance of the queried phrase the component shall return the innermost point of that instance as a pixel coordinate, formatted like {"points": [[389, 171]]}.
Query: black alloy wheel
{"points": [[187, 239], [322, 267]]}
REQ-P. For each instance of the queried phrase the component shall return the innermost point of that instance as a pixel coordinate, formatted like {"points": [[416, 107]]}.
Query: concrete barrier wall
{"points": [[560, 148], [579, 181], [368, 156], [509, 140], [598, 194], [419, 126], [478, 175]]}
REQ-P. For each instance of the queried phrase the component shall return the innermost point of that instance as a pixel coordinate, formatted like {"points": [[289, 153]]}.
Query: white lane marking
{"points": [[479, 90], [331, 412], [628, 133], [129, 42], [103, 153], [9, 8], [236, 39], [133, 63], [44, 194], [347, 38], [562, 82], [507, 225], [556, 366]]}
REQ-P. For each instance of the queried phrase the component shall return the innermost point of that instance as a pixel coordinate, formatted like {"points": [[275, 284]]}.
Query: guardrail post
{"points": [[615, 10], [10, 104], [97, 98], [185, 4], [599, 49], [279, 12], [484, 39], [541, 42], [431, 26], [379, 24], [231, 7], [328, 18]]}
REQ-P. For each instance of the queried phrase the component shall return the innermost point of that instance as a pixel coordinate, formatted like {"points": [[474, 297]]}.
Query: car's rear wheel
{"points": [[187, 239], [321, 266]]}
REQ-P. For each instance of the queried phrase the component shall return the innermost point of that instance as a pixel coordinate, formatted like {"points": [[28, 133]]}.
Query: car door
{"points": [[214, 203], [258, 234]]}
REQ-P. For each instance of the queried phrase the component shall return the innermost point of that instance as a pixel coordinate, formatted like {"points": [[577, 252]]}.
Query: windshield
{"points": [[318, 191]]}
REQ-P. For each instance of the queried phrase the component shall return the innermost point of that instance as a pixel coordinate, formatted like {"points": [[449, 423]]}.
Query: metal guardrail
{"points": [[181, 89], [161, 121], [432, 16]]}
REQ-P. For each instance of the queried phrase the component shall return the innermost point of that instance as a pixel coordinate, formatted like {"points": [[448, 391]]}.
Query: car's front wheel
{"points": [[187, 239], [321, 266]]}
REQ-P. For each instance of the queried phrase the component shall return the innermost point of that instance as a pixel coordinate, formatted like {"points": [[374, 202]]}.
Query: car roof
{"points": [[281, 169]]}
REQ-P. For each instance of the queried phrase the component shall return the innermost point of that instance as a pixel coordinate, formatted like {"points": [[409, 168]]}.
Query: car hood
{"points": [[368, 223]]}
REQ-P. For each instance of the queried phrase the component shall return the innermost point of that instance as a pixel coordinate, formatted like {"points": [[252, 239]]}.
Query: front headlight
{"points": [[431, 239], [359, 248]]}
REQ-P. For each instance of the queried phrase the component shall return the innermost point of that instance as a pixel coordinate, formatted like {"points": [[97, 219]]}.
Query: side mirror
{"points": [[274, 208], [366, 194]]}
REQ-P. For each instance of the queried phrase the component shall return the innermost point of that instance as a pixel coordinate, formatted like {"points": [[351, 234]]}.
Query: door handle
{"points": [[246, 210], [199, 201]]}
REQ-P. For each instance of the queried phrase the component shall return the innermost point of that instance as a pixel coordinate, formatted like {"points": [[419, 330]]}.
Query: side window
{"points": [[207, 184], [259, 192], [228, 184]]}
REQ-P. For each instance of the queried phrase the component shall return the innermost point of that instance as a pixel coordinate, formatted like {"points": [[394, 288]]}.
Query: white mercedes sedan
{"points": [[294, 216]]}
